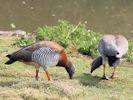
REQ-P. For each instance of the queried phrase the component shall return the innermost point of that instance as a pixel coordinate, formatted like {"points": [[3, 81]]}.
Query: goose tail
{"points": [[10, 61], [96, 63]]}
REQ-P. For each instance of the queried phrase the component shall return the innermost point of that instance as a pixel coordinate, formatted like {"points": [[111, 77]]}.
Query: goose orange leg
{"points": [[47, 73], [104, 75], [37, 71], [113, 74]]}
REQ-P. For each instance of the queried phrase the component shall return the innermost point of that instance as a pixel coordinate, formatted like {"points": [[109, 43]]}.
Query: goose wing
{"points": [[25, 53]]}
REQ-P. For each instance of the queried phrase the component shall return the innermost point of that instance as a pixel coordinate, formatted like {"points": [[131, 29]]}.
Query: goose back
{"points": [[26, 52], [113, 45]]}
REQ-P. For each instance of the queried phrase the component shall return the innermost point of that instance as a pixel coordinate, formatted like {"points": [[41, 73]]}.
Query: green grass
{"points": [[17, 81]]}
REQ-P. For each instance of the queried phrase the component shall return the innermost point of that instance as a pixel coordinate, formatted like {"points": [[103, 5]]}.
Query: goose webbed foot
{"points": [[105, 77], [114, 77], [37, 71], [36, 78]]}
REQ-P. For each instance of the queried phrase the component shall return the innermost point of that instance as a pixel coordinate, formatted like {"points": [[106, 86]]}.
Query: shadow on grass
{"points": [[88, 79], [8, 84]]}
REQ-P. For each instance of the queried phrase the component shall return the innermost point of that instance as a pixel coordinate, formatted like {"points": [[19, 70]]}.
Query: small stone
{"points": [[13, 25], [53, 15], [31, 8], [23, 2], [85, 22]]}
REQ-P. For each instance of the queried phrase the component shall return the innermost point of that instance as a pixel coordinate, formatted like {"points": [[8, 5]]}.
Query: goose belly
{"points": [[45, 57]]}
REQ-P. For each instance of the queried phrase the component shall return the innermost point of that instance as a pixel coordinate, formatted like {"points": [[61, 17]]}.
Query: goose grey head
{"points": [[70, 69]]}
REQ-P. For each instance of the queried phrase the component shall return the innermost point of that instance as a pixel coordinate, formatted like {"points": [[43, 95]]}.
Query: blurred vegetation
{"points": [[24, 40], [58, 33], [129, 55], [69, 35]]}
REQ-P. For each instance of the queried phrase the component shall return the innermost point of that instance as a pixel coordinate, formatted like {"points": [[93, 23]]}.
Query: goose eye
{"points": [[117, 53]]}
